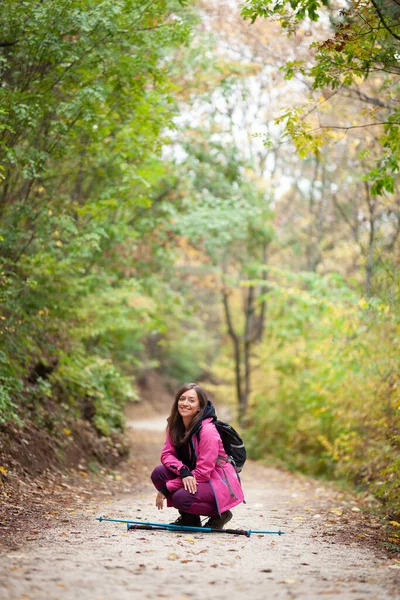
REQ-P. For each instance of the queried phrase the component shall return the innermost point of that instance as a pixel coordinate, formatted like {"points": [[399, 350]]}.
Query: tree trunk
{"points": [[369, 267], [236, 349], [248, 339]]}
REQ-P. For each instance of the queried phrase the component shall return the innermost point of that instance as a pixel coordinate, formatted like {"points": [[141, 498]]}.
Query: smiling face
{"points": [[188, 406]]}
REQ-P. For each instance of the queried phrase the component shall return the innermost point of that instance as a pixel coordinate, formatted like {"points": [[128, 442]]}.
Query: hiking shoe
{"points": [[187, 520], [219, 522]]}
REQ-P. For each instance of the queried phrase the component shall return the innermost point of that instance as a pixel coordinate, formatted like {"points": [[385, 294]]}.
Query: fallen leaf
{"points": [[394, 523]]}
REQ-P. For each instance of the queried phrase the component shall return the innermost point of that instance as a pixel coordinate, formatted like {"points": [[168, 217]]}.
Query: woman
{"points": [[195, 476]]}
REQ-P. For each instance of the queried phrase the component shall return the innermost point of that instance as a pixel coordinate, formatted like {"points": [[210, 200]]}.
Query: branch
{"points": [[386, 26], [345, 217], [346, 128], [316, 106], [364, 98], [228, 317], [150, 28]]}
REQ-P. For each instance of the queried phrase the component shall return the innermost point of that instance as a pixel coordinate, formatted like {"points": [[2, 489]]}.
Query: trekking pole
{"points": [[186, 528], [172, 527]]}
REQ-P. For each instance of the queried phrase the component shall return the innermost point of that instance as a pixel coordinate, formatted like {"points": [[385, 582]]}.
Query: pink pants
{"points": [[200, 503]]}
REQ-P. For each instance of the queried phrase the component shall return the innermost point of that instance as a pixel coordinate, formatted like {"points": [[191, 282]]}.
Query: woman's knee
{"points": [[159, 475], [182, 499]]}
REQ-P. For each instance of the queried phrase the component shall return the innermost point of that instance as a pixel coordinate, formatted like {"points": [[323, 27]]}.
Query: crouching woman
{"points": [[195, 476]]}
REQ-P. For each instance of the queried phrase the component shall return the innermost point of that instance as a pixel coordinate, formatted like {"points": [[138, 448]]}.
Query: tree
{"points": [[227, 219], [364, 47], [86, 97]]}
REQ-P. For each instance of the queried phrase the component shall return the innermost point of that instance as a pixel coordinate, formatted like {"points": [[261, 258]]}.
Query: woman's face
{"points": [[188, 405]]}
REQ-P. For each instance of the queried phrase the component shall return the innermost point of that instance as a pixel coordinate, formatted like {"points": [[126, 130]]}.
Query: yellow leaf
{"points": [[67, 431], [191, 540], [3, 470], [394, 523], [363, 303], [173, 556]]}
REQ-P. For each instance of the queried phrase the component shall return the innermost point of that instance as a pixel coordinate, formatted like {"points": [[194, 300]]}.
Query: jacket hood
{"points": [[209, 413]]}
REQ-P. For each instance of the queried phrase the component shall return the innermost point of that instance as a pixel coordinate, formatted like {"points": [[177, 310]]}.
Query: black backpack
{"points": [[233, 444]]}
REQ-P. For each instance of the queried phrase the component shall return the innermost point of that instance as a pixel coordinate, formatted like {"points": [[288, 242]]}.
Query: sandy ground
{"points": [[327, 550]]}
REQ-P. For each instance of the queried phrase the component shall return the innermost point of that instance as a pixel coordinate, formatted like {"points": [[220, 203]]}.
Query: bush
{"points": [[328, 390], [97, 386]]}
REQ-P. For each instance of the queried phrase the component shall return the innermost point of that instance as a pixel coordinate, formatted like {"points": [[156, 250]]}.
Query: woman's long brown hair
{"points": [[176, 428]]}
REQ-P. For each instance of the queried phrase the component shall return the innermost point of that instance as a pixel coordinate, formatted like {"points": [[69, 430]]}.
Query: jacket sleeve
{"points": [[169, 457], [170, 460], [207, 453]]}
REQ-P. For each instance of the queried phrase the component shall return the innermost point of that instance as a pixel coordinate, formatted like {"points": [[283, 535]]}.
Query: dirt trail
{"points": [[326, 552]]}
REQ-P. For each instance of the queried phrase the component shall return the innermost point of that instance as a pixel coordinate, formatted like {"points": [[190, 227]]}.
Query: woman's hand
{"points": [[160, 500], [190, 484]]}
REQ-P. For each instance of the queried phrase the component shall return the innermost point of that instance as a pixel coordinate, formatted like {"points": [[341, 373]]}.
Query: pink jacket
{"points": [[210, 467]]}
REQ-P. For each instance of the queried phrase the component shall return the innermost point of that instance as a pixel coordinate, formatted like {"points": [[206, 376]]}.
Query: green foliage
{"points": [[10, 389], [96, 381], [297, 9], [327, 399], [184, 350], [86, 97], [224, 213]]}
